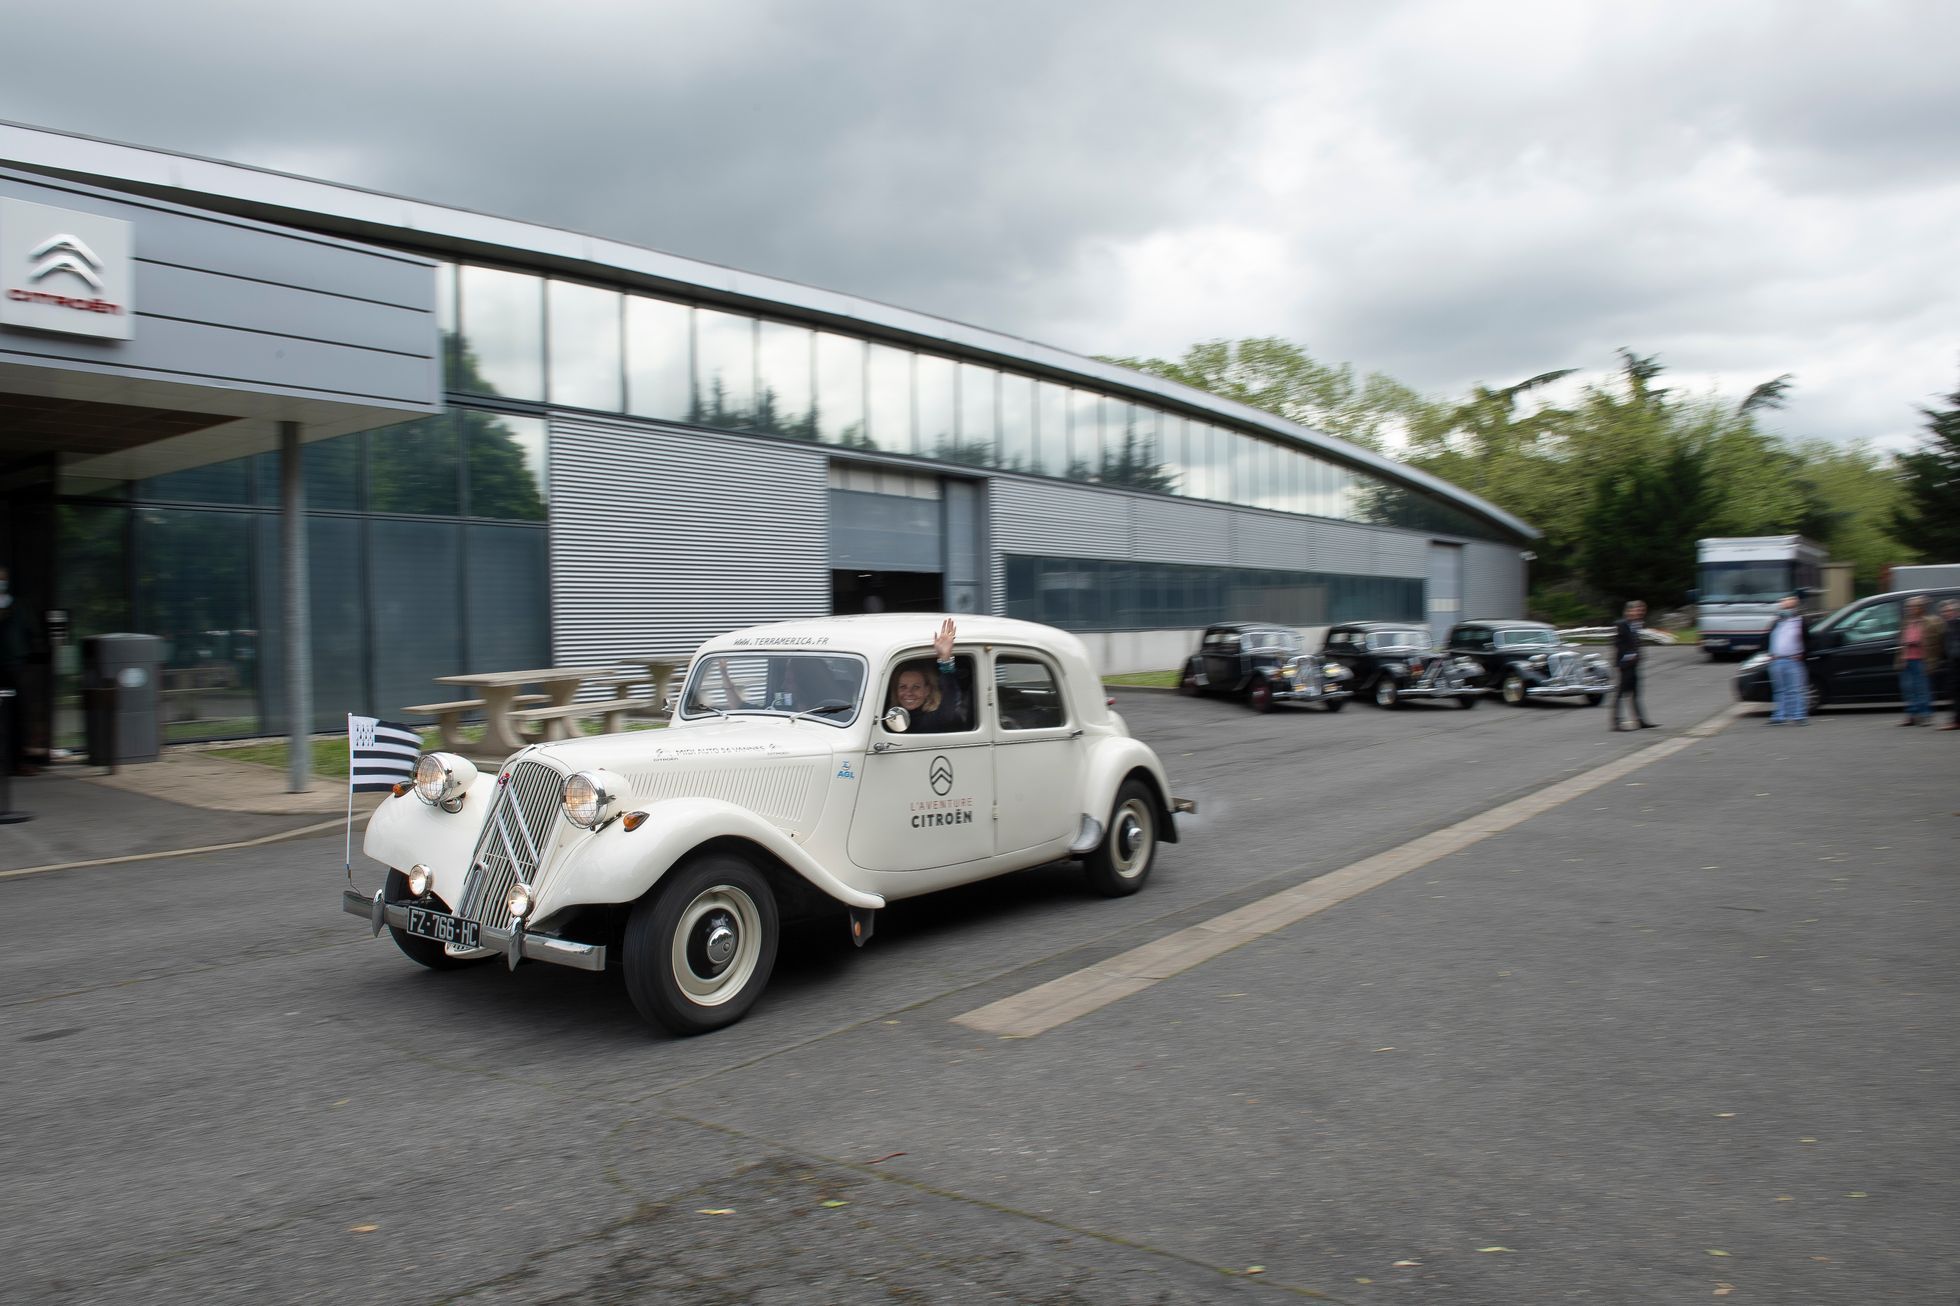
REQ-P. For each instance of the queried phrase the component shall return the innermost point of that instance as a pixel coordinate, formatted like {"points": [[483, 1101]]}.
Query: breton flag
{"points": [[379, 753]]}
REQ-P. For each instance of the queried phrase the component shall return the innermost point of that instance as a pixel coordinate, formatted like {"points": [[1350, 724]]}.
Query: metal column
{"points": [[295, 611]]}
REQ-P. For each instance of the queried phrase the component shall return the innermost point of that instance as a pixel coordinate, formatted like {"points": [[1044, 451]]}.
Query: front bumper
{"points": [[1562, 689], [1310, 694], [1735, 642], [517, 944], [1439, 691]]}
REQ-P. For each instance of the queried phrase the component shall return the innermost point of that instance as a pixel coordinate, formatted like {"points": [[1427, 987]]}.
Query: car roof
{"points": [[1413, 623], [1508, 623]]}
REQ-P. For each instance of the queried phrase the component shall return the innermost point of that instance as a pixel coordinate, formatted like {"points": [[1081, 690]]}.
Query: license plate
{"points": [[443, 928], [1715, 643]]}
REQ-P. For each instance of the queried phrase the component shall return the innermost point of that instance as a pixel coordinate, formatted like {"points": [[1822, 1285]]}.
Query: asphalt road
{"points": [[1690, 1035]]}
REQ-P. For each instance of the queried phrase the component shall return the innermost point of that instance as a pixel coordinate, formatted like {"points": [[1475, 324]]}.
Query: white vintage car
{"points": [[784, 785]]}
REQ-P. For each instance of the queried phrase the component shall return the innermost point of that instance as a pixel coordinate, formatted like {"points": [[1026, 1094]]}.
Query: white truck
{"points": [[1742, 578], [1925, 577]]}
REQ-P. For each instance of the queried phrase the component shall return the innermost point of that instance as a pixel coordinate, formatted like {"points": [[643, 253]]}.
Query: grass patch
{"points": [[1144, 679]]}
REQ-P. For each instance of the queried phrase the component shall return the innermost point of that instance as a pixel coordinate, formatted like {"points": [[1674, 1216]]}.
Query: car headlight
{"points": [[518, 901], [592, 797], [443, 779], [1336, 671], [1540, 659], [418, 880], [1290, 671], [1753, 661]]}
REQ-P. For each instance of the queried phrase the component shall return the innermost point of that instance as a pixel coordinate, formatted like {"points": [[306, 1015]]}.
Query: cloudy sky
{"points": [[1447, 192]]}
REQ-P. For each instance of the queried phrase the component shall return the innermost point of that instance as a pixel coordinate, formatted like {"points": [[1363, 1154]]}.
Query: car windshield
{"points": [[828, 688], [1285, 641], [1763, 581], [1526, 639], [1398, 639]]}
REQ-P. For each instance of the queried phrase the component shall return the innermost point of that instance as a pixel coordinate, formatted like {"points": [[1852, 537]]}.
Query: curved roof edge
{"points": [[364, 214]]}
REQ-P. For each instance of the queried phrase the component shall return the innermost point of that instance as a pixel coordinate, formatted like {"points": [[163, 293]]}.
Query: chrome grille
{"points": [[514, 840], [1564, 667]]}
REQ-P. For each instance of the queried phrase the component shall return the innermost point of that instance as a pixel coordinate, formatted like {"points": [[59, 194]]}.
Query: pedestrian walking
{"points": [[1950, 619], [1921, 645], [1789, 677], [1627, 644]]}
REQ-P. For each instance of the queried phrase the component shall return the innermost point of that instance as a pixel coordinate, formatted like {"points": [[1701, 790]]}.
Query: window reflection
{"points": [[412, 467], [978, 392], [506, 467], [724, 369], [1171, 455], [784, 403], [1051, 428], [1130, 456], [446, 322], [888, 399], [502, 349], [659, 359], [840, 390], [1085, 435], [933, 379], [1017, 442], [193, 587], [585, 355]]}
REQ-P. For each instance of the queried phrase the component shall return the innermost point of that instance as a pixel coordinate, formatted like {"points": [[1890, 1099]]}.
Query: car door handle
{"points": [[1076, 733]]}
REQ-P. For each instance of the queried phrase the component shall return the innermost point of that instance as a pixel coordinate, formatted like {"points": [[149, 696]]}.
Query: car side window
{"points": [[936, 708], [1879, 621], [1028, 694]]}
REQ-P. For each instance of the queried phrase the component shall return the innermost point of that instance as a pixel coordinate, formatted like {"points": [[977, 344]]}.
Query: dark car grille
{"points": [[514, 842]]}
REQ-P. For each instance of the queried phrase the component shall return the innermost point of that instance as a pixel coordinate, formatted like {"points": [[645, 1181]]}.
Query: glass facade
{"points": [[1105, 594]]}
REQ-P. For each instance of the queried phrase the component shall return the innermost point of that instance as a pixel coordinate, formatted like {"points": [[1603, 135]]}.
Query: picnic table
{"points": [[660, 672], [505, 719]]}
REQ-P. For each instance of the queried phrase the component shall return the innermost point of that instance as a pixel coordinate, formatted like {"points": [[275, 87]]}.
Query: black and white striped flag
{"points": [[379, 753]]}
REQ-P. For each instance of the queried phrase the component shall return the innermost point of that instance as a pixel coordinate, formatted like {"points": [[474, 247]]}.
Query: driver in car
{"points": [[935, 708]]}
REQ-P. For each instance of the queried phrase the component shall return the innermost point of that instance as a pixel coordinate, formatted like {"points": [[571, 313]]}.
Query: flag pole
{"points": [[350, 798]]}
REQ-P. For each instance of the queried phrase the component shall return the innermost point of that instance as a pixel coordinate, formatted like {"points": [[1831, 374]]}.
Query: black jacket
{"points": [[1626, 642], [949, 715]]}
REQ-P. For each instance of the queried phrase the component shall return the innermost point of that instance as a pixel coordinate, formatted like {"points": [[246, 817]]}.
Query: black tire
{"points": [[1187, 683], [676, 970], [1334, 704], [423, 952], [1121, 863], [1594, 700], [1467, 700], [1260, 695], [1388, 692], [1512, 688]]}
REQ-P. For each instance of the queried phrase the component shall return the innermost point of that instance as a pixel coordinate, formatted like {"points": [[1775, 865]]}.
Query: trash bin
{"points": [[119, 686]]}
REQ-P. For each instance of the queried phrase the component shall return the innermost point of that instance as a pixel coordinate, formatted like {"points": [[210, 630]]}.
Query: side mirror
{"points": [[673, 703], [897, 720]]}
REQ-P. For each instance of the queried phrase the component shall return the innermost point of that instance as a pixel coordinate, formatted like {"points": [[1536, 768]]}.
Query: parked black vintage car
{"points": [[1264, 664], [1523, 660], [1853, 653], [1395, 661]]}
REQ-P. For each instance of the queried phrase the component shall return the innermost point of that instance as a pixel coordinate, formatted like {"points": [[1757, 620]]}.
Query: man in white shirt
{"points": [[1788, 680]]}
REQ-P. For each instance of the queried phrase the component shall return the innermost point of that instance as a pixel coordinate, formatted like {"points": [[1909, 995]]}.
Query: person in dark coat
{"points": [[15, 644], [935, 708], [1950, 613], [1626, 644]]}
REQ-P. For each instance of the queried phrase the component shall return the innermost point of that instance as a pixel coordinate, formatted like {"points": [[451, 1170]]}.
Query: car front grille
{"points": [[515, 839]]}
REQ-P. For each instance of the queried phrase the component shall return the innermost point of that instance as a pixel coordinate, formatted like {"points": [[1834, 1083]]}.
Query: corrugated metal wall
{"points": [[1493, 580], [661, 539]]}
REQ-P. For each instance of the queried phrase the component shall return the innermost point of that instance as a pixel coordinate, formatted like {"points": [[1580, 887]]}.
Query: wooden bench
{"points": [[449, 716], [557, 721]]}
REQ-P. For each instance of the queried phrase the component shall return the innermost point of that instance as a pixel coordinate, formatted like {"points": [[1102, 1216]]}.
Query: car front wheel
{"points": [[699, 949], [1513, 689], [1387, 692], [1187, 682], [1334, 704], [1121, 863], [1261, 694]]}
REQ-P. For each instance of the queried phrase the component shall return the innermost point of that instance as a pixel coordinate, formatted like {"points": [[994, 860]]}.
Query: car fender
{"points": [[1109, 762], [405, 831], [617, 865]]}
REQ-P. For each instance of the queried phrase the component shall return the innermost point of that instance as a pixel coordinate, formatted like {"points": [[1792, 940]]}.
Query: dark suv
{"points": [[1524, 660], [1852, 653]]}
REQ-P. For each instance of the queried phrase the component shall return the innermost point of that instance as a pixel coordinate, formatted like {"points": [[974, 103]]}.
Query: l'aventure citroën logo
{"points": [[941, 775], [66, 253]]}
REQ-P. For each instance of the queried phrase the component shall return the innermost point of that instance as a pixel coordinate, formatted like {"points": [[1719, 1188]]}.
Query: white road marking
{"points": [[1042, 1008]]}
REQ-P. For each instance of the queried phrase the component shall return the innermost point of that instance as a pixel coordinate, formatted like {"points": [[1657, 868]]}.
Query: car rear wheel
{"points": [[1187, 683], [1513, 689], [1467, 700], [1261, 694], [423, 952], [1121, 863], [699, 949], [1387, 692]]}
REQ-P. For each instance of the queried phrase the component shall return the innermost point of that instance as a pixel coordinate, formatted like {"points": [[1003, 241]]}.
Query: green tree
{"points": [[1927, 520]]}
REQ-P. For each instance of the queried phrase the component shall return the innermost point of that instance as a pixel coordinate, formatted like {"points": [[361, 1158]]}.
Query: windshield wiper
{"points": [[825, 709]]}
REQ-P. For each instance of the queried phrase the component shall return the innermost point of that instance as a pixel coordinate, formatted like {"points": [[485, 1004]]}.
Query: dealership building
{"points": [[238, 406]]}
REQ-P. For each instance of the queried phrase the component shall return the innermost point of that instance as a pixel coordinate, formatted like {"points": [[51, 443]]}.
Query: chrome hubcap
{"points": [[717, 942], [721, 943], [1132, 839]]}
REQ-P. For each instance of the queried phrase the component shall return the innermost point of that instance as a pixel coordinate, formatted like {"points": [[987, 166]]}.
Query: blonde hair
{"points": [[931, 678]]}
